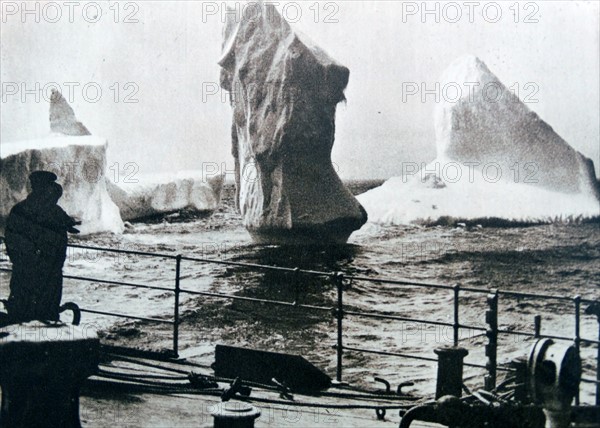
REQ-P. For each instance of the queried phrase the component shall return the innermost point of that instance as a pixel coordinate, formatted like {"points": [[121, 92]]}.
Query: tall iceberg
{"points": [[284, 95], [495, 158]]}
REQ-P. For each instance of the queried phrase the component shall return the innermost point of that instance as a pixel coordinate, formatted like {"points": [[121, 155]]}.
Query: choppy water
{"points": [[554, 259]]}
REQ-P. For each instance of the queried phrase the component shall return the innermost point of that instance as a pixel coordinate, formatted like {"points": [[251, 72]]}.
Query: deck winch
{"points": [[554, 376]]}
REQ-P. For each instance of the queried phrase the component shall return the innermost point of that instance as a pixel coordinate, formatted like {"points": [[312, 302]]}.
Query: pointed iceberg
{"points": [[496, 158]]}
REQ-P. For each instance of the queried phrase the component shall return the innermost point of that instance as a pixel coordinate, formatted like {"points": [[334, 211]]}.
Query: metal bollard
{"points": [[235, 415], [41, 369], [450, 371]]}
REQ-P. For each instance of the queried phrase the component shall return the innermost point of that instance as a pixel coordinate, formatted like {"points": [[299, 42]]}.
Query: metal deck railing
{"points": [[338, 310]]}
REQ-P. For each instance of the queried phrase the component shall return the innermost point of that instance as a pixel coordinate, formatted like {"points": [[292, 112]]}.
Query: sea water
{"points": [[558, 259]]}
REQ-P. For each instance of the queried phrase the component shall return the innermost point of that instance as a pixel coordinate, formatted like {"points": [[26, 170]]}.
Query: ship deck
{"points": [[139, 392]]}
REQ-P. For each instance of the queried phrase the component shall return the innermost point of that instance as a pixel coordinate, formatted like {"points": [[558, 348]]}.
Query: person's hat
{"points": [[39, 179]]}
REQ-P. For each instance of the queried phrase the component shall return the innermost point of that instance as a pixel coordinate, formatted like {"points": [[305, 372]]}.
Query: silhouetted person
{"points": [[36, 242]]}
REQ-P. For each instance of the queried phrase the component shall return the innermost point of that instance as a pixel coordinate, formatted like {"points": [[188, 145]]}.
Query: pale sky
{"points": [[167, 61]]}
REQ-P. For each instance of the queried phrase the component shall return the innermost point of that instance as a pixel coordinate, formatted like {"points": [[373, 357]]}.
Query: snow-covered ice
{"points": [[495, 158], [161, 193], [80, 164]]}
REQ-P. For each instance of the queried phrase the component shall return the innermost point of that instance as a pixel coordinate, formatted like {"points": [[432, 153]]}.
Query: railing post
{"points": [[598, 359], [296, 285], [456, 325], [176, 308], [577, 301], [598, 367], [338, 279], [594, 309], [537, 326], [491, 349]]}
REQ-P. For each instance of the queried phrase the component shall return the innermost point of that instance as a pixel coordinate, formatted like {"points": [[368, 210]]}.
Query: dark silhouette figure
{"points": [[36, 242]]}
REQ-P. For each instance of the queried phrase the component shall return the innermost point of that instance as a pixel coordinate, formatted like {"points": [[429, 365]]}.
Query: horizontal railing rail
{"points": [[329, 274], [133, 317], [339, 311], [253, 299]]}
